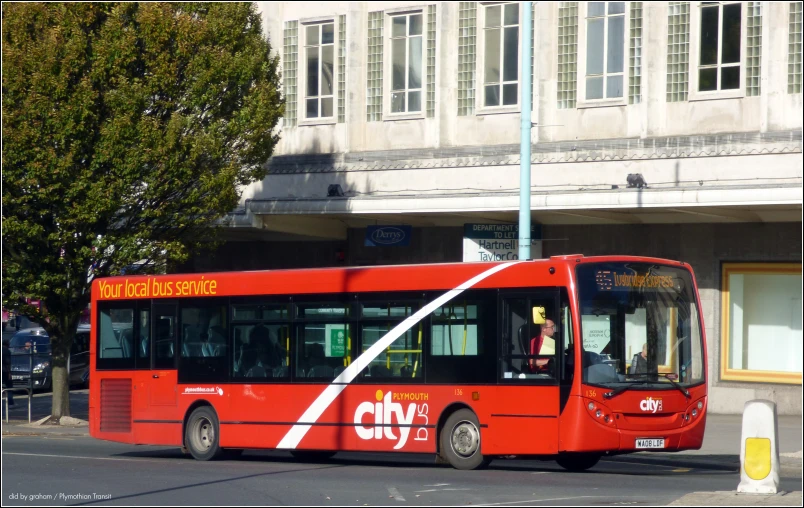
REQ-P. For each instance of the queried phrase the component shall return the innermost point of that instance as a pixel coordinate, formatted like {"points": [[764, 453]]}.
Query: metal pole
{"points": [[524, 147]]}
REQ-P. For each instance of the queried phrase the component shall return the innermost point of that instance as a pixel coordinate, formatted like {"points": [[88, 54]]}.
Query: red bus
{"points": [[568, 358]]}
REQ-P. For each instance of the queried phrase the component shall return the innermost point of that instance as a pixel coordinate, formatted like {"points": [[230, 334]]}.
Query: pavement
{"points": [[720, 449]]}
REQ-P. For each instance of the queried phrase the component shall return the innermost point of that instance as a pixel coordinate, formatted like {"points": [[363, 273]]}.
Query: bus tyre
{"points": [[577, 461], [202, 435], [460, 441], [312, 455]]}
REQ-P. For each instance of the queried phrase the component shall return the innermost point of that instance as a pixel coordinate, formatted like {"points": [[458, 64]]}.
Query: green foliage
{"points": [[128, 130]]}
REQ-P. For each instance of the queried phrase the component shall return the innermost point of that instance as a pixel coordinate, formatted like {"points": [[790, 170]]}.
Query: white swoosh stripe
{"points": [[331, 392]]}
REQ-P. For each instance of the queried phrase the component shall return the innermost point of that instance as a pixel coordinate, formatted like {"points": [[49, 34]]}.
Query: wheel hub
{"points": [[205, 434], [465, 439]]}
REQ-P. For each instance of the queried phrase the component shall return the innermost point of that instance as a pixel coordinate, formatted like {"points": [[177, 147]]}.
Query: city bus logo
{"points": [[651, 404], [386, 412]]}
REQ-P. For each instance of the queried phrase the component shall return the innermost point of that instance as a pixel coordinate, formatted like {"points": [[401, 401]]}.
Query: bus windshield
{"points": [[640, 326]]}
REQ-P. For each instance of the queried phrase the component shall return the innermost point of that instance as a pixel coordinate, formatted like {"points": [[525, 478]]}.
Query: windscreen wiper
{"points": [[666, 376], [614, 393]]}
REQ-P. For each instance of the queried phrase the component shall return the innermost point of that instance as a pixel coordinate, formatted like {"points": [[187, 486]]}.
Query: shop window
{"points": [[761, 323]]}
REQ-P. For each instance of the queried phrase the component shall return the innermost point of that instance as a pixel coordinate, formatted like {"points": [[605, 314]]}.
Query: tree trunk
{"points": [[60, 379], [61, 386], [61, 392]]}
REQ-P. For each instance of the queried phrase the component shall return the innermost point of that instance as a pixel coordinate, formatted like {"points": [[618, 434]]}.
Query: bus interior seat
{"points": [[380, 371], [315, 355], [406, 371], [127, 342], [321, 371], [337, 370], [280, 372]]}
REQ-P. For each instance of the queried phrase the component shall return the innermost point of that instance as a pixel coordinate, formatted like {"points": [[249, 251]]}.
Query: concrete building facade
{"points": [[413, 110]]}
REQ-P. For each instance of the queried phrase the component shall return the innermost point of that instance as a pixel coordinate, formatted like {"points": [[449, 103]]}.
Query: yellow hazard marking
{"points": [[681, 470], [757, 457]]}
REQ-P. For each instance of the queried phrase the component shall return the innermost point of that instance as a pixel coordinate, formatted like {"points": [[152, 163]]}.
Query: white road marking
{"points": [[439, 490], [294, 436], [548, 499], [438, 485], [78, 457], [395, 493]]}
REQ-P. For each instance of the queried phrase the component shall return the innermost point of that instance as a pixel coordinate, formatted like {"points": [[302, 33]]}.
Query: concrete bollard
{"points": [[759, 449]]}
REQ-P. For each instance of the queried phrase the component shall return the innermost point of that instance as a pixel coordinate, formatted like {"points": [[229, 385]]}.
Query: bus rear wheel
{"points": [[460, 441], [202, 435], [577, 461], [312, 455]]}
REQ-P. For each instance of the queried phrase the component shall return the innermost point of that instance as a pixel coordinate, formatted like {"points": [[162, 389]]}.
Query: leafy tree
{"points": [[128, 130]]}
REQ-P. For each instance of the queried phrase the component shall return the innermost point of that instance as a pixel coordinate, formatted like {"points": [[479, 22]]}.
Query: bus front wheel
{"points": [[460, 441], [202, 435], [577, 461]]}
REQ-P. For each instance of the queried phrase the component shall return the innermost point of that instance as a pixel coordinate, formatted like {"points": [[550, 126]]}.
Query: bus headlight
{"points": [[591, 406], [598, 413], [700, 404]]}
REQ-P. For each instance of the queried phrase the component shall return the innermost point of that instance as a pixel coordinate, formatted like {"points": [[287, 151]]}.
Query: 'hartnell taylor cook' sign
{"points": [[498, 242]]}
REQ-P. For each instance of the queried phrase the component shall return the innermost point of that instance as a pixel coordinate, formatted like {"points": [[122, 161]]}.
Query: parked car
{"points": [[31, 348]]}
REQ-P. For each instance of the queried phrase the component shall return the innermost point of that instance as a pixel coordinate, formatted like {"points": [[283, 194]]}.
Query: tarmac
{"points": [[720, 449]]}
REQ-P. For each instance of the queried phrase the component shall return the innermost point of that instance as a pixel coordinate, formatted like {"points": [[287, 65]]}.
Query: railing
{"points": [[28, 390], [30, 353]]}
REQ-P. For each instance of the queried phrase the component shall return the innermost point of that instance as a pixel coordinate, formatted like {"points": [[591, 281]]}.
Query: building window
{"points": [[761, 322], [719, 46], [794, 49], [319, 48], [291, 54], [501, 56], [753, 64], [567, 54], [678, 49], [374, 68], [605, 50], [467, 57], [635, 55], [342, 68], [406, 63], [431, 59]]}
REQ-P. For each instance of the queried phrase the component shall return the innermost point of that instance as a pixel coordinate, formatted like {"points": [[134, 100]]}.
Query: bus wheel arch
{"points": [[459, 419], [201, 431]]}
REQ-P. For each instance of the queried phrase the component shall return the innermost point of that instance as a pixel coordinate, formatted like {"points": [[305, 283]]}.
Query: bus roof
{"points": [[355, 279]]}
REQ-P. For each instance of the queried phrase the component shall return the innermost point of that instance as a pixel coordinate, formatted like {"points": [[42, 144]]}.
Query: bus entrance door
{"points": [[528, 395], [164, 382]]}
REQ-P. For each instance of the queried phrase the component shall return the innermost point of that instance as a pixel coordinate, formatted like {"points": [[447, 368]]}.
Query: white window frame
{"points": [[581, 100], [301, 101], [695, 53], [480, 80], [388, 64]]}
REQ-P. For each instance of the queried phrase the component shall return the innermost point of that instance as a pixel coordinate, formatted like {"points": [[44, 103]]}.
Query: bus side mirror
{"points": [[538, 315]]}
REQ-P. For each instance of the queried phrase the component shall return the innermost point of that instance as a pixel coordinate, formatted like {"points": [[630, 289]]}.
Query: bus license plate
{"points": [[650, 443], [15, 378]]}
